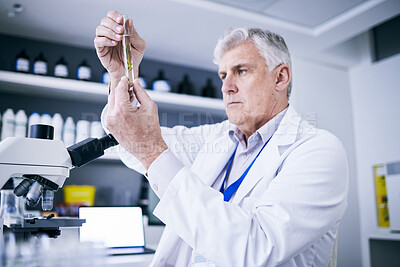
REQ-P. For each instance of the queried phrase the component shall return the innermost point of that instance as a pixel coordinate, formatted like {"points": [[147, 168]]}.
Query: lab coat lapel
{"points": [[270, 158], [215, 161], [265, 165]]}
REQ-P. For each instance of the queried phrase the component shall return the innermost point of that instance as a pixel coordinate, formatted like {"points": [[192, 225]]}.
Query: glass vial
{"points": [[22, 62], [185, 86], [40, 65], [209, 90], [61, 68], [84, 72], [160, 83]]}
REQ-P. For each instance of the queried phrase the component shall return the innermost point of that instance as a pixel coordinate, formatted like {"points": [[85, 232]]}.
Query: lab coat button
{"points": [[244, 155], [155, 187]]}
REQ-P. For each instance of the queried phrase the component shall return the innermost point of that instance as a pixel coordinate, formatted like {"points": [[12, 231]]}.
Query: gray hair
{"points": [[271, 46]]}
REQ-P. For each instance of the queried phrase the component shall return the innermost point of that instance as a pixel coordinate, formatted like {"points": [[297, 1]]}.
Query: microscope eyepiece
{"points": [[41, 131]]}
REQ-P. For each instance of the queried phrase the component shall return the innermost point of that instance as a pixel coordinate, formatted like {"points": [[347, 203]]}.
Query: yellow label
{"points": [[381, 196]]}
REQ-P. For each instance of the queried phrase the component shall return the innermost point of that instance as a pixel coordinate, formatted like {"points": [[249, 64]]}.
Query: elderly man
{"points": [[264, 188]]}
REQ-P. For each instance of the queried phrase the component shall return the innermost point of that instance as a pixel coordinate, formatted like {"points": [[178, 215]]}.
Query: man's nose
{"points": [[229, 85]]}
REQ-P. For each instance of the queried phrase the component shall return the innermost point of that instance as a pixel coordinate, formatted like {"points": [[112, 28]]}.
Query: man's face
{"points": [[248, 88]]}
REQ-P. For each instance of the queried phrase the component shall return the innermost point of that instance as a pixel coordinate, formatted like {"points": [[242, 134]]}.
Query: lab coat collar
{"points": [[264, 132], [270, 158], [265, 165]]}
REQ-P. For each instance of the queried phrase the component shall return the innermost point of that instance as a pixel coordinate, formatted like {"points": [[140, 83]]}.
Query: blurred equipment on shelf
{"points": [[161, 84], [82, 195], [393, 194], [381, 196], [186, 86], [209, 90]]}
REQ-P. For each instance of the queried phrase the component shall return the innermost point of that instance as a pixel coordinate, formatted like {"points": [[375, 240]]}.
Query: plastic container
{"points": [[69, 132], [96, 130], [21, 121], [46, 119], [34, 118], [79, 194], [8, 125], [82, 130], [58, 123]]}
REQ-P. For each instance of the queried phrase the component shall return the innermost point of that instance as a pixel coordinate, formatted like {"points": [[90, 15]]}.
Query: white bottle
{"points": [[82, 130], [34, 118], [7, 129], [57, 123], [46, 119], [96, 130], [21, 121], [69, 132]]}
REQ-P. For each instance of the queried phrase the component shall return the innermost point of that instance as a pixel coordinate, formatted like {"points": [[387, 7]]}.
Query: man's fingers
{"points": [[101, 42], [140, 93], [136, 41], [122, 98], [103, 31], [111, 100], [116, 16], [112, 25]]}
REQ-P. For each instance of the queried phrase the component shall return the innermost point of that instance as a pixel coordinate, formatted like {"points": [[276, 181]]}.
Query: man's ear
{"points": [[283, 76]]}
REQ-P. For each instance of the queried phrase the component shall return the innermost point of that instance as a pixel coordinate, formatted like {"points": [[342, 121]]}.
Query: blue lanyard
{"points": [[228, 193]]}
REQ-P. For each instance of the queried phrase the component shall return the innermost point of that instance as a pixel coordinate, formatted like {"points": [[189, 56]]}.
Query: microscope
{"points": [[42, 165]]}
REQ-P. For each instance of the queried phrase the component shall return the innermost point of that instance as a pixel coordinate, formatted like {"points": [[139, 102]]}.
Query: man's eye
{"points": [[222, 77], [242, 71]]}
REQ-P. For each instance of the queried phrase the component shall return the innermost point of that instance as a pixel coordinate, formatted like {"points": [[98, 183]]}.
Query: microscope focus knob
{"points": [[41, 131]]}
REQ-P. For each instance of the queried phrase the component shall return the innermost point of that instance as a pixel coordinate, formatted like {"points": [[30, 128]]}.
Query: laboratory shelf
{"points": [[30, 84], [385, 234]]}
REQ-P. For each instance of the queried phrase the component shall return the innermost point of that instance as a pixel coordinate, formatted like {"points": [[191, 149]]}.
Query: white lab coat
{"points": [[285, 213]]}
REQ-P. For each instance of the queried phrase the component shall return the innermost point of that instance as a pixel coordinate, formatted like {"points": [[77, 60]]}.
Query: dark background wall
{"points": [[114, 182], [11, 46]]}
